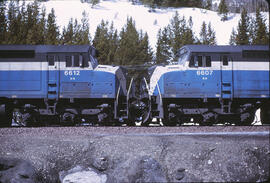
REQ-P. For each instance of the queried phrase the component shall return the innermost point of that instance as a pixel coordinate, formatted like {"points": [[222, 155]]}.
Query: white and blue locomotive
{"points": [[63, 83], [212, 84]]}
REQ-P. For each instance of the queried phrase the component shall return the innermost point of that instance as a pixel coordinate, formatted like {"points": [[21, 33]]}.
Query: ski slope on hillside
{"points": [[150, 22]]}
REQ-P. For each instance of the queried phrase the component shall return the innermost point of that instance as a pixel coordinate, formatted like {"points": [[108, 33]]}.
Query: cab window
{"points": [[73, 61], [200, 61], [208, 61], [50, 60], [225, 60]]}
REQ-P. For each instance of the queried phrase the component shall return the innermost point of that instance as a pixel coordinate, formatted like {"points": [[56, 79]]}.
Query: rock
{"points": [[147, 169], [179, 173], [80, 174], [101, 164], [16, 171]]}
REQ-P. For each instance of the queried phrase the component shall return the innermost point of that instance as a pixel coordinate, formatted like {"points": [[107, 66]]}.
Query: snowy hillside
{"points": [[150, 22]]}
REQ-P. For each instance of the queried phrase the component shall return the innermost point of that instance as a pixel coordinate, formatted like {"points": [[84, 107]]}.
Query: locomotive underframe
{"points": [[32, 112], [208, 111]]}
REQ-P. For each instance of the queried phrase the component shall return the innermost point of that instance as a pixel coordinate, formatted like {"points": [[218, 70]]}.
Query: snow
{"points": [[118, 11]]}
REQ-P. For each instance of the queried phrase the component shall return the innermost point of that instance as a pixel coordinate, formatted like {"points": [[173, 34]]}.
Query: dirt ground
{"points": [[183, 154]]}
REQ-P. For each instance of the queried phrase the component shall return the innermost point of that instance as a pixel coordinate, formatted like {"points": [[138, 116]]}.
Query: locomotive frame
{"points": [[65, 84]]}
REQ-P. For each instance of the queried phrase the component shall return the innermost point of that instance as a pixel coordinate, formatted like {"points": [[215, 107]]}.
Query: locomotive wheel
{"points": [[265, 115], [5, 116], [246, 118]]}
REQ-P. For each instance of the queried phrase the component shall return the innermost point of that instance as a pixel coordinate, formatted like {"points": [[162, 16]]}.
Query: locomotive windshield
{"points": [[183, 56]]}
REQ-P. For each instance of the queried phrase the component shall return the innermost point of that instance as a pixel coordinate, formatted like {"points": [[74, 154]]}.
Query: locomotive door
{"points": [[226, 68], [53, 76]]}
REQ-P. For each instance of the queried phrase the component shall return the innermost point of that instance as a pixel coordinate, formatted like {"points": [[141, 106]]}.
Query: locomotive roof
{"points": [[225, 48], [48, 48]]}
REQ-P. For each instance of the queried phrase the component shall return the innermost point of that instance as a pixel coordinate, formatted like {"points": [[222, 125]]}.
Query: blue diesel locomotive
{"points": [[61, 83], [212, 84]]}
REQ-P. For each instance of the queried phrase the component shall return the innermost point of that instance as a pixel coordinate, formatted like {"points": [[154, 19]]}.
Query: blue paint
{"points": [[54, 84], [226, 84]]}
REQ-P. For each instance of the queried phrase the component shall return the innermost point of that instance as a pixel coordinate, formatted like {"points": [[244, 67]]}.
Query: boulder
{"points": [[81, 174], [14, 170]]}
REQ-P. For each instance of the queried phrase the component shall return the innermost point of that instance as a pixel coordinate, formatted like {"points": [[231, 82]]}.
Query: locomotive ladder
{"points": [[226, 92], [226, 82], [53, 80]]}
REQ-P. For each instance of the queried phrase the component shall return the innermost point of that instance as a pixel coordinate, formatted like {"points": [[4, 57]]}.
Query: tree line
{"points": [[253, 31], [28, 24]]}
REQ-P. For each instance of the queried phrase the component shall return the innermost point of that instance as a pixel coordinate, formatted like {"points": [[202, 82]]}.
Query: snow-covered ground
{"points": [[150, 22]]}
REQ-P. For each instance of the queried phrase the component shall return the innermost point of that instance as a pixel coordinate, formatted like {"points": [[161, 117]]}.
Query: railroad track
{"points": [[125, 130]]}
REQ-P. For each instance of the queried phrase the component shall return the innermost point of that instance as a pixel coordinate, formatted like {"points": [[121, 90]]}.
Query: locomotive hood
{"points": [[158, 72]]}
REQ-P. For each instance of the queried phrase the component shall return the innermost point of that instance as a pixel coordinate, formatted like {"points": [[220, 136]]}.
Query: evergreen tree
{"points": [[208, 5], [13, 24], [3, 23], [69, 34], [176, 28], [163, 49], [34, 34], [207, 35], [128, 44], [113, 43], [251, 30], [42, 27], [260, 31], [101, 42], [203, 34], [223, 10], [242, 36], [211, 35], [145, 53], [84, 32], [94, 2], [52, 30], [233, 38], [188, 35], [22, 20]]}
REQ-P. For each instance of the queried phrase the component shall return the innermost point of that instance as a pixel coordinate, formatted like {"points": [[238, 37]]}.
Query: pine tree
{"points": [[101, 42], [223, 10], [260, 31], [208, 5], [242, 37], [22, 19], [188, 35], [145, 54], [113, 45], [52, 30], [211, 35], [163, 49], [94, 2], [42, 27], [84, 32], [207, 35], [33, 19], [13, 24], [251, 30], [176, 28], [68, 33], [3, 23], [129, 40], [233, 38], [203, 34]]}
